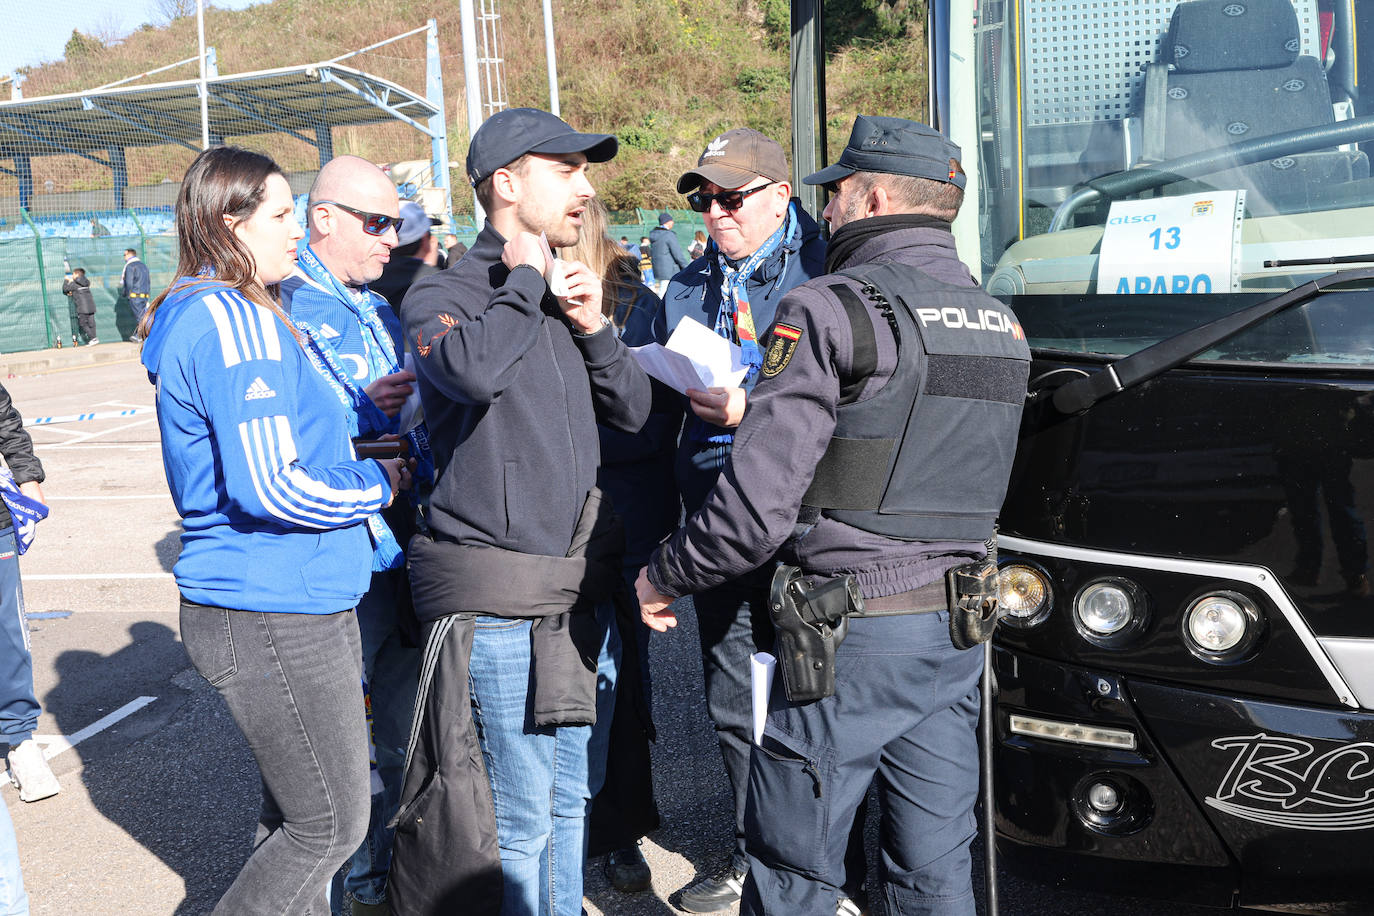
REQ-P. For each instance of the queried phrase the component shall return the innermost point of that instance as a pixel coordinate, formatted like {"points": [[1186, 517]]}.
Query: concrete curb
{"points": [[39, 362]]}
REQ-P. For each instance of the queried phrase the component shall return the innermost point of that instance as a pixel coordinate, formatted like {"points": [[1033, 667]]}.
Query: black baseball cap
{"points": [[511, 133], [895, 146]]}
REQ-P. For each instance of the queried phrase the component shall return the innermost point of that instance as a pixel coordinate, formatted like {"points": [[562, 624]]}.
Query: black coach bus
{"points": [[1176, 199]]}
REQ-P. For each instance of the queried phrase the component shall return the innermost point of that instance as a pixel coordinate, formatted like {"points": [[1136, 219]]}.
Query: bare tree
{"points": [[108, 28], [170, 10]]}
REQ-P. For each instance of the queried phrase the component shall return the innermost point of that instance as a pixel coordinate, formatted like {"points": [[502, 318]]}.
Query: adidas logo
{"points": [[258, 391], [716, 147], [327, 331]]}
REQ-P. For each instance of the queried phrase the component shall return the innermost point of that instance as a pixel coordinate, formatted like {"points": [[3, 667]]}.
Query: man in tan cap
{"points": [[763, 244]]}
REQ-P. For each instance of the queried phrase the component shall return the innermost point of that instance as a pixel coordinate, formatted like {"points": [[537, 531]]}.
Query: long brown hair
{"points": [[223, 181], [619, 272]]}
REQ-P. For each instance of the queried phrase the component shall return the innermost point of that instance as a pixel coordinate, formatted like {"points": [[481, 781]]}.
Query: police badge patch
{"points": [[784, 344]]}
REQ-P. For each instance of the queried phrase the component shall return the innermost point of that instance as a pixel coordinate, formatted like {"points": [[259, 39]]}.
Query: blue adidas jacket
{"points": [[257, 456]]}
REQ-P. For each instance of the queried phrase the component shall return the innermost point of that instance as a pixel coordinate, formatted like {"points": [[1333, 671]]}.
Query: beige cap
{"points": [[734, 159]]}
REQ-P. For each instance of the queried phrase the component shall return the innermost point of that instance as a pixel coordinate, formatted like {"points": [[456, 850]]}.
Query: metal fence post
{"points": [[42, 274]]}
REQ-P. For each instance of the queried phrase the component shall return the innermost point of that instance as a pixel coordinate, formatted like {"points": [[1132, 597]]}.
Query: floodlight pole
{"points": [[471, 89], [204, 86], [549, 56]]}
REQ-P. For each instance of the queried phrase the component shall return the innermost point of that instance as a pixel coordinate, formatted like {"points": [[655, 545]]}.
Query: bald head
{"points": [[336, 235]]}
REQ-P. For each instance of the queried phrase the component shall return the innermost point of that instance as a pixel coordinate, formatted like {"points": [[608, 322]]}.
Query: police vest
{"points": [[928, 456]]}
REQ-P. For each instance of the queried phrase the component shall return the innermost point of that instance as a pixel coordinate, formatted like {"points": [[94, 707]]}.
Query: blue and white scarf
{"points": [[381, 356], [26, 513]]}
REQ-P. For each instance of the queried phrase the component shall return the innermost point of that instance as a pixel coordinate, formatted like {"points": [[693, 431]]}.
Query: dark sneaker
{"points": [[627, 871], [714, 893]]}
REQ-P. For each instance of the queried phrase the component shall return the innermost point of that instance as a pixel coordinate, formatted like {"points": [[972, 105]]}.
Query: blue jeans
{"points": [[904, 711], [542, 779], [292, 684], [18, 705], [392, 670], [13, 900]]}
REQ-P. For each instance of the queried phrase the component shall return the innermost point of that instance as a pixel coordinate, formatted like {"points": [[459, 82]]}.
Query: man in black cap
{"points": [[765, 244], [513, 586], [665, 252], [873, 460]]}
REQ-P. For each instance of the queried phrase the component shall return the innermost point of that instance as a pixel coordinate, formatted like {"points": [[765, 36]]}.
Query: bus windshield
{"points": [[1157, 148]]}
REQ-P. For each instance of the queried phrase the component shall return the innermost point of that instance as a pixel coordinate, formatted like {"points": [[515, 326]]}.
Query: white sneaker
{"points": [[93, 341], [30, 773]]}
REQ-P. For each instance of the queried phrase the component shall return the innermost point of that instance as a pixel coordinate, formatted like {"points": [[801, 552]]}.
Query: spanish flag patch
{"points": [[780, 349]]}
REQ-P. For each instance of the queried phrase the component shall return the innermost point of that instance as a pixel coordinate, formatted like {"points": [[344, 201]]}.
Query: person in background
{"points": [[630, 247], [98, 229], [698, 246], [135, 286], [19, 709], [78, 286], [416, 255], [637, 473], [646, 262], [331, 298], [765, 244], [453, 250], [276, 548], [665, 252]]}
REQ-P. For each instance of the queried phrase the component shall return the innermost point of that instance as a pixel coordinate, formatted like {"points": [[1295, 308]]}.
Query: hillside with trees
{"points": [[662, 75]]}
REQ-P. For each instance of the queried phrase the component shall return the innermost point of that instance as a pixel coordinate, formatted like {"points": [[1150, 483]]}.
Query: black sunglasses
{"points": [[729, 201], [373, 223]]}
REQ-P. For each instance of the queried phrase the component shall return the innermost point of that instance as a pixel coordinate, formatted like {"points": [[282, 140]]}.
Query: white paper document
{"points": [[694, 357], [761, 668]]}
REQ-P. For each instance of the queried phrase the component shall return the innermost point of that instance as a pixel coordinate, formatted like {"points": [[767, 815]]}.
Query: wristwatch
{"points": [[605, 323]]}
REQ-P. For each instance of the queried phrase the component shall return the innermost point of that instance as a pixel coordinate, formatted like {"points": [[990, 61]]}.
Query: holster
{"points": [[811, 623], [973, 607]]}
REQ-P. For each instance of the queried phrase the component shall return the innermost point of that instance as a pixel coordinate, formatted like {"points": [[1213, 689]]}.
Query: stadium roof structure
{"points": [[303, 101]]}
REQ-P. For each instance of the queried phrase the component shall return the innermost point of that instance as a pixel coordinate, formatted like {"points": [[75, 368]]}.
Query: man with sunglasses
{"points": [[355, 342], [873, 462], [765, 244], [517, 364]]}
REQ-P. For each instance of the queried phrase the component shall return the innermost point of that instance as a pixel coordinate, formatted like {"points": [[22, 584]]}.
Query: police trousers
{"points": [[904, 712]]}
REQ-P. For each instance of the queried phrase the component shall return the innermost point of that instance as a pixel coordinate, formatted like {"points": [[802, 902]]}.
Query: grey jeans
{"points": [[293, 683]]}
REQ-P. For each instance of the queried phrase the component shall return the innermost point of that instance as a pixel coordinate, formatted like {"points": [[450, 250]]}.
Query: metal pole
{"points": [[549, 56], [808, 89], [989, 800], [472, 91], [204, 86], [438, 123]]}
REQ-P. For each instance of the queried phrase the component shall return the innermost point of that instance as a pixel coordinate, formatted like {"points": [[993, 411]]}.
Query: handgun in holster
{"points": [[973, 607], [811, 623]]}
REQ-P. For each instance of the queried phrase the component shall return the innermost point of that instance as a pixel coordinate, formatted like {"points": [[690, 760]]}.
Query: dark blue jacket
{"points": [[665, 252], [637, 468], [696, 292], [512, 400]]}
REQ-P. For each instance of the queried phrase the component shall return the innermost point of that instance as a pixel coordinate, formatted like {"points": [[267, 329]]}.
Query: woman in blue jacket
{"points": [[275, 508]]}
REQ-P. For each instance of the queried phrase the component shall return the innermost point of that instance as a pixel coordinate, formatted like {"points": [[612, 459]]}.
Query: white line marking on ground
{"points": [[114, 429], [62, 577], [58, 744], [54, 499], [97, 446]]}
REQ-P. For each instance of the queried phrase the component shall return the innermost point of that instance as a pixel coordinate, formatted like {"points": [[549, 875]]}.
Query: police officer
{"points": [[874, 454]]}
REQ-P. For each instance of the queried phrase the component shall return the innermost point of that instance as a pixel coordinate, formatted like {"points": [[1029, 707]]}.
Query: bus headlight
{"points": [[1024, 594], [1106, 609], [1221, 626]]}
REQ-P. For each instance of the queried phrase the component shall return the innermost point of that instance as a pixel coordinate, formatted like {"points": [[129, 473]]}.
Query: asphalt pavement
{"points": [[160, 793]]}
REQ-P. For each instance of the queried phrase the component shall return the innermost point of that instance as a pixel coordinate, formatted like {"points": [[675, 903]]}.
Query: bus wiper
{"points": [[1129, 371], [1308, 262]]}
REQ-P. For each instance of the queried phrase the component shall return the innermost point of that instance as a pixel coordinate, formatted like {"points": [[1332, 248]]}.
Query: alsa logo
{"points": [[1288, 782], [716, 147], [1135, 218], [975, 320]]}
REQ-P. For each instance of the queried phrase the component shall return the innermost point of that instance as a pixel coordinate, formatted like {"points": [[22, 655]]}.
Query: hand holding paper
{"points": [[694, 357]]}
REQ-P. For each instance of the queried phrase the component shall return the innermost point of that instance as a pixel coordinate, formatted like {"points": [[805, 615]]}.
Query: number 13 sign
{"points": [[1187, 244]]}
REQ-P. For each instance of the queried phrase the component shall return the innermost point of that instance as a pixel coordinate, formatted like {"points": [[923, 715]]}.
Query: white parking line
{"points": [[56, 744], [55, 499], [63, 577]]}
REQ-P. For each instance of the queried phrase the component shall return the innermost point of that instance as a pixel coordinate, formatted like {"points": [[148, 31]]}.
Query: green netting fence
{"points": [[34, 313]]}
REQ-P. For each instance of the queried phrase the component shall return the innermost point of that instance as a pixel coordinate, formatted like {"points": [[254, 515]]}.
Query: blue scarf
{"points": [[386, 552], [733, 290], [25, 513]]}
